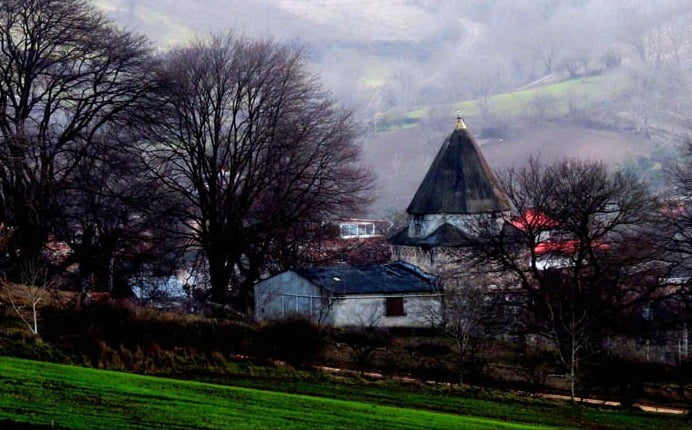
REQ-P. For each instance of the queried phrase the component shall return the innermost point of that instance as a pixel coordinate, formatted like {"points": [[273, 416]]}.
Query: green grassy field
{"points": [[559, 98], [80, 398], [494, 404]]}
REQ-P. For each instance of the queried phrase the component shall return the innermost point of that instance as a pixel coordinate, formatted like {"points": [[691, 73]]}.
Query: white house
{"points": [[394, 294]]}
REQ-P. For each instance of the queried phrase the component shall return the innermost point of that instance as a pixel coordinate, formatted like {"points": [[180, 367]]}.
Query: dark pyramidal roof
{"points": [[459, 181], [390, 278]]}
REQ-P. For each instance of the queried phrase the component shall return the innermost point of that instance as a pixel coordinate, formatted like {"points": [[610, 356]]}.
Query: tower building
{"points": [[458, 194]]}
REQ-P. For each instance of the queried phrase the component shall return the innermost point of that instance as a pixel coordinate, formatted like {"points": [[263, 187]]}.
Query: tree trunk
{"points": [[572, 370], [25, 250], [219, 284], [34, 311], [221, 260]]}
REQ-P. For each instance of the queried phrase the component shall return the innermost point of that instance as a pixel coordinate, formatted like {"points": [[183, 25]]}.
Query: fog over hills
{"points": [[324, 20], [355, 44], [560, 78]]}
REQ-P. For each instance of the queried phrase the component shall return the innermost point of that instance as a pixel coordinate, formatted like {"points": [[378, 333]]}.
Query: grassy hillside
{"points": [[79, 398], [558, 98]]}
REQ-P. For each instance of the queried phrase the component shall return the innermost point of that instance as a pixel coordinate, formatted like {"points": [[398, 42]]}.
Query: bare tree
{"points": [[483, 83], [678, 219], [581, 248], [650, 29], [65, 72], [362, 342], [114, 215], [253, 146], [678, 31], [475, 311], [25, 301], [546, 50], [541, 106]]}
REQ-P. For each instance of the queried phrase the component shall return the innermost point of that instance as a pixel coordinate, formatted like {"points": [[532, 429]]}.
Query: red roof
{"points": [[564, 246], [537, 220], [533, 218]]}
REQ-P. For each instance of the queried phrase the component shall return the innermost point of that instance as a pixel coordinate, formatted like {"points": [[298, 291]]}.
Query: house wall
{"points": [[369, 310], [289, 294]]}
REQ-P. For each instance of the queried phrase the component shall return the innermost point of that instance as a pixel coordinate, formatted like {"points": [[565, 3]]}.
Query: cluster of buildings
{"points": [[458, 194]]}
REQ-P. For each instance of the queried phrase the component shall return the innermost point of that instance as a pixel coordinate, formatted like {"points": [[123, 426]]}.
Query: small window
{"points": [[366, 229], [394, 307], [351, 230]]}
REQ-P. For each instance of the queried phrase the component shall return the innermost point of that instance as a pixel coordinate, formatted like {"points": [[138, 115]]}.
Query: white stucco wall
{"points": [[369, 310], [289, 294]]}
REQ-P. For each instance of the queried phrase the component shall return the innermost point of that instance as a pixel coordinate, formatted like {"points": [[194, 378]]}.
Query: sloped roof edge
{"points": [[445, 235], [459, 181], [389, 278]]}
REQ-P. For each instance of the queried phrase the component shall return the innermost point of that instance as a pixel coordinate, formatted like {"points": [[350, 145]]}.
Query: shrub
{"points": [[432, 360], [294, 340], [363, 342], [625, 379], [534, 364]]}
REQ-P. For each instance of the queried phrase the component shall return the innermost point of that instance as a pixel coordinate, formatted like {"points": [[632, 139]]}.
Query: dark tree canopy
{"points": [[115, 216], [679, 211], [676, 243], [582, 246], [254, 147], [65, 73]]}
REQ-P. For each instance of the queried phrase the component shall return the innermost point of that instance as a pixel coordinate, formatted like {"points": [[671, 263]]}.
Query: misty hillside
{"points": [[356, 44], [559, 78], [334, 20]]}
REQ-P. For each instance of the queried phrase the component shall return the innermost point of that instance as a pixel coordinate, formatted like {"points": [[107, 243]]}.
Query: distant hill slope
{"points": [[327, 20], [356, 46], [402, 63]]}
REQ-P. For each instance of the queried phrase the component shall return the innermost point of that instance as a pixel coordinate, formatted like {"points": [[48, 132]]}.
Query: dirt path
{"points": [[585, 400], [610, 403]]}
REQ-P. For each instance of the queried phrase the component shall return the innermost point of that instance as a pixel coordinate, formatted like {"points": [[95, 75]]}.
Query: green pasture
{"points": [[81, 398], [499, 405], [561, 94], [557, 99]]}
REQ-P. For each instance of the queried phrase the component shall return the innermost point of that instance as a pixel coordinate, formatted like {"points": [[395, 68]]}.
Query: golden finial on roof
{"points": [[460, 122]]}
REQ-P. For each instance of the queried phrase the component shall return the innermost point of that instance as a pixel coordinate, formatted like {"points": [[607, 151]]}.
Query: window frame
{"points": [[394, 306], [349, 230]]}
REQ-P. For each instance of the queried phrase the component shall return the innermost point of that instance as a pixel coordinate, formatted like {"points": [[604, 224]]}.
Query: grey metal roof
{"points": [[390, 278], [459, 181], [445, 235]]}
